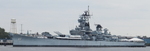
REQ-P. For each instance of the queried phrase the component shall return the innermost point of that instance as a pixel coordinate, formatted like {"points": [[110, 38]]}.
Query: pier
{"points": [[6, 42]]}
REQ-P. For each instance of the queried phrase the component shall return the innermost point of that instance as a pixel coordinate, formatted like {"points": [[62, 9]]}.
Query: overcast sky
{"points": [[121, 17]]}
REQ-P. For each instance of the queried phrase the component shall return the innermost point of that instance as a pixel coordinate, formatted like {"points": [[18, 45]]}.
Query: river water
{"points": [[11, 48]]}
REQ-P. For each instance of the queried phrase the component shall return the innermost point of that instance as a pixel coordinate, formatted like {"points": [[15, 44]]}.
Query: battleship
{"points": [[81, 36]]}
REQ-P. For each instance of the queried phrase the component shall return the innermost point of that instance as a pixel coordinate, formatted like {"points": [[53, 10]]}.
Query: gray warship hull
{"points": [[26, 41], [88, 37]]}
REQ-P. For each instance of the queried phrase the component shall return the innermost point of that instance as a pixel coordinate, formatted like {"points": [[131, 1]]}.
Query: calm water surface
{"points": [[10, 48]]}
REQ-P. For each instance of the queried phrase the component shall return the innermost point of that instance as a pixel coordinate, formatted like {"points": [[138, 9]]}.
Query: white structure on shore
{"points": [[13, 28]]}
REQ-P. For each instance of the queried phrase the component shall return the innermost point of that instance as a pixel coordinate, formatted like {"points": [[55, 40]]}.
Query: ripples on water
{"points": [[10, 48]]}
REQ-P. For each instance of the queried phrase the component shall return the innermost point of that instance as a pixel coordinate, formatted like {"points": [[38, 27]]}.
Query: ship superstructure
{"points": [[86, 33]]}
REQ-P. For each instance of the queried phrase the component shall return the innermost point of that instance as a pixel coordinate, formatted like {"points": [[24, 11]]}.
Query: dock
{"points": [[6, 42]]}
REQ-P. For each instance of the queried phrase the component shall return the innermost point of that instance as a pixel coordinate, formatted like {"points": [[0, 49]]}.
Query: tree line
{"points": [[3, 34]]}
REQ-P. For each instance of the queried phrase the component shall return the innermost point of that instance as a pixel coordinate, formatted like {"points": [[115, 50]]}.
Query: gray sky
{"points": [[121, 17]]}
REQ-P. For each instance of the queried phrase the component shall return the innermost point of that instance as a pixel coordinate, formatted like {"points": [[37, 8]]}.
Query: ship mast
{"points": [[21, 29], [88, 11], [84, 21]]}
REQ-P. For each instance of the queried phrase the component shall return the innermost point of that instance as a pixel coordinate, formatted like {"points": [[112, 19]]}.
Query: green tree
{"points": [[3, 34]]}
